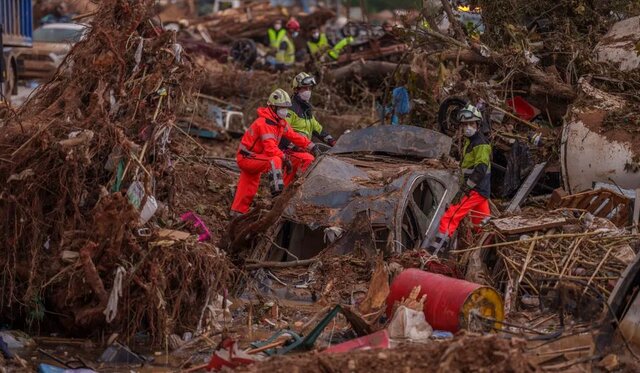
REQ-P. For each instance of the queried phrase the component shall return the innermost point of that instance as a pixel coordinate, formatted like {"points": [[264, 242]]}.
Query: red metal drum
{"points": [[450, 302]]}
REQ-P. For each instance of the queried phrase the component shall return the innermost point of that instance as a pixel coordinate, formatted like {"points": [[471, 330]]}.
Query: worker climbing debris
{"points": [[258, 152], [472, 199]]}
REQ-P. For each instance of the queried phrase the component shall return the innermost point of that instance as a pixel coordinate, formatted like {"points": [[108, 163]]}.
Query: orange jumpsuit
{"points": [[258, 153]]}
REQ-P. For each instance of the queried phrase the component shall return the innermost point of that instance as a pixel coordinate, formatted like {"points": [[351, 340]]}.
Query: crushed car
{"points": [[380, 188]]}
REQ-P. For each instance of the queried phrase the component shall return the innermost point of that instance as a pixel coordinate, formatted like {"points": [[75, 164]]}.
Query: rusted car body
{"points": [[379, 189]]}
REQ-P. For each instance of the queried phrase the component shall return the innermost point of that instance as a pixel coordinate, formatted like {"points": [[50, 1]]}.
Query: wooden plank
{"points": [[526, 187], [587, 201], [173, 234], [519, 224], [574, 201]]}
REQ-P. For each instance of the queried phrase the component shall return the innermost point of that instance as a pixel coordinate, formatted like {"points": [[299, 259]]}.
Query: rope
{"points": [[116, 292]]}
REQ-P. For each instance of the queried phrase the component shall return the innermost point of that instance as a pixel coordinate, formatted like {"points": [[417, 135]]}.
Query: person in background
{"points": [[286, 51], [275, 34], [319, 46]]}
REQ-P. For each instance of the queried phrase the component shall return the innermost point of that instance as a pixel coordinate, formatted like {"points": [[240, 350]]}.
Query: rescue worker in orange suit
{"points": [[473, 197], [259, 153]]}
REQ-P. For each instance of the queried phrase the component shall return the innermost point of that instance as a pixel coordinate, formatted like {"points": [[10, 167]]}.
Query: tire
{"points": [[447, 113], [244, 52]]}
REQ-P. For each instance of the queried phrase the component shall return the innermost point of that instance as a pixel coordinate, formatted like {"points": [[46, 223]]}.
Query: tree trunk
{"points": [[365, 70]]}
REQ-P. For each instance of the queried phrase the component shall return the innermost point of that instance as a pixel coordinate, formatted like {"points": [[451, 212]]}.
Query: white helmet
{"points": [[469, 113]]}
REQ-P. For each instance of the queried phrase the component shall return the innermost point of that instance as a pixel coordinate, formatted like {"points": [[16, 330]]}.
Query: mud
{"points": [[465, 354]]}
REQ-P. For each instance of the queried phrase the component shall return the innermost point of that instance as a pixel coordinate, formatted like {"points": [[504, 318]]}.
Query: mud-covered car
{"points": [[379, 189]]}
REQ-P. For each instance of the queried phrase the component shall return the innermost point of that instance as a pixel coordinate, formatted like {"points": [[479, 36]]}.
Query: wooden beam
{"points": [[526, 187]]}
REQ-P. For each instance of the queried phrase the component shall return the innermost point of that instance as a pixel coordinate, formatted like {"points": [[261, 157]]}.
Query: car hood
{"points": [[338, 188]]}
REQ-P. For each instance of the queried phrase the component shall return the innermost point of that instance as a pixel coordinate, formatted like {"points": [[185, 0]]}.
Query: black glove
{"points": [[316, 151], [464, 190], [330, 141], [286, 163]]}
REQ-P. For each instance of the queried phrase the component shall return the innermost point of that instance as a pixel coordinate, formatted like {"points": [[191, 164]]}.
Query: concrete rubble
{"points": [[117, 177]]}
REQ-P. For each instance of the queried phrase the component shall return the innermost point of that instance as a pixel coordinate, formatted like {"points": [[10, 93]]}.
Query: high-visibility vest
{"points": [[316, 47], [275, 37], [335, 51], [287, 56]]}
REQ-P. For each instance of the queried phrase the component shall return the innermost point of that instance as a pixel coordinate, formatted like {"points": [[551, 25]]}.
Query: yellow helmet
{"points": [[303, 80], [279, 98]]}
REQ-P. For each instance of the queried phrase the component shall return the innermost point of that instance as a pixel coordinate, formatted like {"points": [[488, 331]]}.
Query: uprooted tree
{"points": [[67, 159]]}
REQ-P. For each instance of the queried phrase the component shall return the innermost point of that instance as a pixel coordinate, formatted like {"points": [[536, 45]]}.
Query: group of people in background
{"points": [[286, 45]]}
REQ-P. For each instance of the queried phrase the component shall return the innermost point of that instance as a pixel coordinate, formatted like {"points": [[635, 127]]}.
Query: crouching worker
{"points": [[259, 153], [302, 121], [473, 197]]}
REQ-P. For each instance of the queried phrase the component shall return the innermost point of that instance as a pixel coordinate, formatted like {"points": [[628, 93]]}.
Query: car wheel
{"points": [[244, 52], [447, 115]]}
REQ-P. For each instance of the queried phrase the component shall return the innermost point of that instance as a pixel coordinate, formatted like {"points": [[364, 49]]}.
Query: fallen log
{"points": [[294, 263], [241, 231], [544, 82], [366, 70], [253, 21]]}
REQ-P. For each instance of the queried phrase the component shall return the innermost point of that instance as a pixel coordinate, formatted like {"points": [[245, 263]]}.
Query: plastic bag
{"points": [[409, 324]]}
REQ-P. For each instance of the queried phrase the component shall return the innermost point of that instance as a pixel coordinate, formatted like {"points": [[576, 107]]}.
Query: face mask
{"points": [[316, 35], [277, 27], [469, 131], [282, 112], [305, 95], [295, 34]]}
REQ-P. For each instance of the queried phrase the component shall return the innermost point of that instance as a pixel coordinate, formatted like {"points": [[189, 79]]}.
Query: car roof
{"points": [[401, 140], [68, 26]]}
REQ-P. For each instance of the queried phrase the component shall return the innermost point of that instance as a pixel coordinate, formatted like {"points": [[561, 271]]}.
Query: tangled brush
{"points": [[67, 159]]}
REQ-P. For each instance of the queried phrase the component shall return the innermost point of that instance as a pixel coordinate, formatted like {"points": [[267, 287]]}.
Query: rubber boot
{"points": [[234, 214], [277, 182]]}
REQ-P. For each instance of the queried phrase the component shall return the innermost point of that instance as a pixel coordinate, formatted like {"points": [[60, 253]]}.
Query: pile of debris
{"points": [[467, 353], [114, 194], [83, 162]]}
